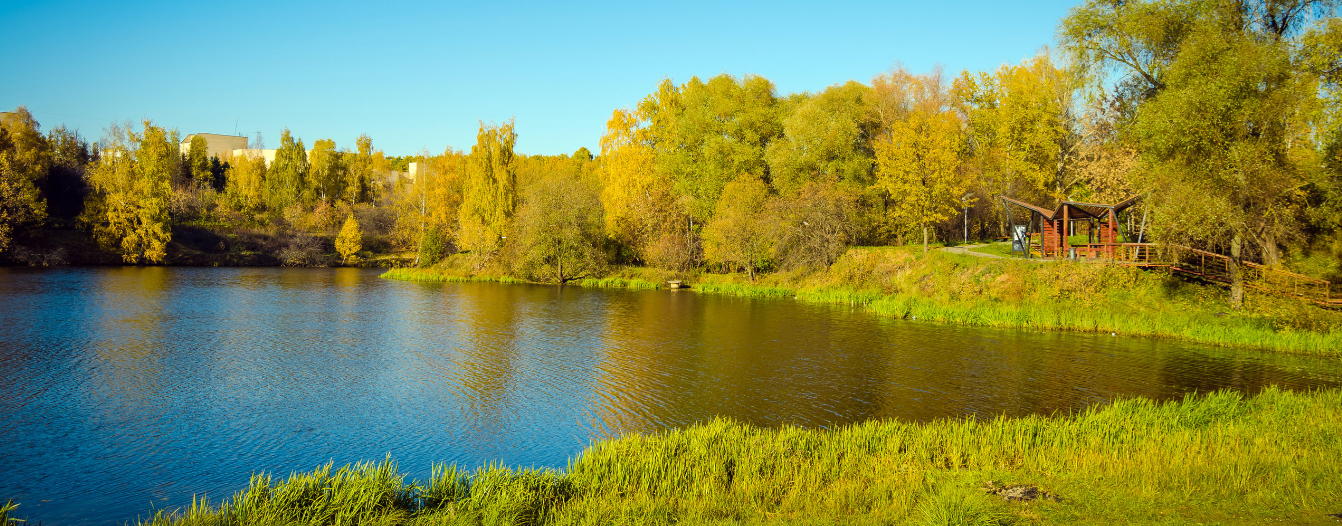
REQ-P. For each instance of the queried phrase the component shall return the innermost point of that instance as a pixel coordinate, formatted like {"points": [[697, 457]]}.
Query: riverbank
{"points": [[941, 287], [1220, 458]]}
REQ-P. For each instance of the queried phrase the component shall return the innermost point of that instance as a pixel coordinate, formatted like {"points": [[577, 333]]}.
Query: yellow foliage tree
{"points": [[919, 161], [350, 240], [628, 175], [489, 195], [246, 179], [1020, 122], [739, 234], [24, 163], [131, 183], [326, 171]]}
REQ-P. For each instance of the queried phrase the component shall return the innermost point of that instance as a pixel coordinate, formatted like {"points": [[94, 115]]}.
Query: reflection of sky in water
{"points": [[130, 386]]}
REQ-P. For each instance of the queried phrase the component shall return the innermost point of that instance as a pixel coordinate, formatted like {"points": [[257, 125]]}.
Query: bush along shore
{"points": [[959, 289], [1219, 458]]}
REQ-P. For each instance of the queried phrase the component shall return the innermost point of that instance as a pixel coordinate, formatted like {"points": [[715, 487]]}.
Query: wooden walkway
{"points": [[1213, 267]]}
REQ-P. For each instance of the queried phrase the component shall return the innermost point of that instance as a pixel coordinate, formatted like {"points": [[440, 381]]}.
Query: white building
{"points": [[268, 155]]}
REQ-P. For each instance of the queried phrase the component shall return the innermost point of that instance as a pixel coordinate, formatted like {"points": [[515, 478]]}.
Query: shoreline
{"points": [[1222, 457], [966, 290]]}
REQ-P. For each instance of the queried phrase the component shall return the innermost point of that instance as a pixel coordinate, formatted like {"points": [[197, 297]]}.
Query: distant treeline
{"points": [[1224, 113]]}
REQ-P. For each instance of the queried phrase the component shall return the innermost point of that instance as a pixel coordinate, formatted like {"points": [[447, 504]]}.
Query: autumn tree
{"points": [[25, 160], [359, 171], [558, 234], [633, 190], [815, 226], [132, 186], [326, 179], [1021, 130], [427, 209], [246, 180], [919, 162], [350, 240], [740, 235], [489, 195], [1220, 113]]}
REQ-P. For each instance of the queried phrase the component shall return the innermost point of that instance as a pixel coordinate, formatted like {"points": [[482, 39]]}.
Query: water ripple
{"points": [[128, 389]]}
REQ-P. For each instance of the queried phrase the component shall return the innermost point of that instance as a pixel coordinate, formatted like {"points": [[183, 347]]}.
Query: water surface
{"points": [[129, 389]]}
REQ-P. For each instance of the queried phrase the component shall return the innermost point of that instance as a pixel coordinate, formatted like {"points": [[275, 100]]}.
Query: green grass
{"points": [[997, 249], [942, 287], [1220, 458], [1072, 296], [429, 276]]}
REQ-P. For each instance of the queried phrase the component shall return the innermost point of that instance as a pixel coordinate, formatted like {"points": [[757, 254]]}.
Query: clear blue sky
{"points": [[417, 75]]}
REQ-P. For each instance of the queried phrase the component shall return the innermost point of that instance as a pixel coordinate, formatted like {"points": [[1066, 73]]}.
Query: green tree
{"points": [[433, 247], [706, 133], [132, 187], [559, 234], [350, 240], [740, 235], [826, 138], [489, 195], [1220, 113], [66, 182], [198, 162], [286, 177], [25, 160]]}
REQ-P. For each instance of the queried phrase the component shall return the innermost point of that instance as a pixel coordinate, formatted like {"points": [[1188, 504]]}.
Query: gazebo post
{"points": [[1112, 230], [1066, 228]]}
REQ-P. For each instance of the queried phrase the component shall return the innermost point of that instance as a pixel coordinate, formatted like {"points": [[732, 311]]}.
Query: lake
{"points": [[124, 390]]}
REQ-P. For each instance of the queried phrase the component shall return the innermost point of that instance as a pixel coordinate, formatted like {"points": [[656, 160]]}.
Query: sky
{"points": [[421, 76]]}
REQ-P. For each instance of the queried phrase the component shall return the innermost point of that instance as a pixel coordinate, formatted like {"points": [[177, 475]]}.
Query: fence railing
{"points": [[1210, 266]]}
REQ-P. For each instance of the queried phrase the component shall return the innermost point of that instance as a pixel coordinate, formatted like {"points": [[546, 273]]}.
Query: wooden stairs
{"points": [[1216, 267]]}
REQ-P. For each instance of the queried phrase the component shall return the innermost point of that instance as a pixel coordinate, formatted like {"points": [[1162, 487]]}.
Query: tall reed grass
{"points": [[1216, 458]]}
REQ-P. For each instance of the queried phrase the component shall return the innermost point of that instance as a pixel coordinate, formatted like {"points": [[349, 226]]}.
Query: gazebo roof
{"points": [[1076, 209]]}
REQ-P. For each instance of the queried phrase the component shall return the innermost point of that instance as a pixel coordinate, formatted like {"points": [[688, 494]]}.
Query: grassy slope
{"points": [[1011, 293], [1219, 458]]}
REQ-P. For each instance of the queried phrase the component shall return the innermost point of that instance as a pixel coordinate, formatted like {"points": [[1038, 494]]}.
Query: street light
{"points": [[965, 202]]}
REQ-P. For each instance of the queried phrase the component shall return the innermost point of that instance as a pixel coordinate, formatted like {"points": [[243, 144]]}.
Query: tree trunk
{"points": [[1271, 256], [924, 238], [1236, 279]]}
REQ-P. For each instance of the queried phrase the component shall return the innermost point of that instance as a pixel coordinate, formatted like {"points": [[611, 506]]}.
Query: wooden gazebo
{"points": [[1053, 226]]}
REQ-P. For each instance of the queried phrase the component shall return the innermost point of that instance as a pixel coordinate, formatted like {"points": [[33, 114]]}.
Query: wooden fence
{"points": [[1212, 267]]}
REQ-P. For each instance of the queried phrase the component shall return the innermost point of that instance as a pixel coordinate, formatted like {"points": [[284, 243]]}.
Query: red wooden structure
{"points": [[1053, 227], [1045, 234]]}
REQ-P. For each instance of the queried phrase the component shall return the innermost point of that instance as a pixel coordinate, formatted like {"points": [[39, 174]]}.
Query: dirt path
{"points": [[964, 249]]}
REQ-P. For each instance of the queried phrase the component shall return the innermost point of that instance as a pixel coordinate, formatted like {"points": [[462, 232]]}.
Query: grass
{"points": [[997, 249], [942, 287], [1219, 458]]}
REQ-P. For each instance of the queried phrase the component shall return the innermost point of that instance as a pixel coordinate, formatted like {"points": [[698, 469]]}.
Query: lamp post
{"points": [[964, 201]]}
